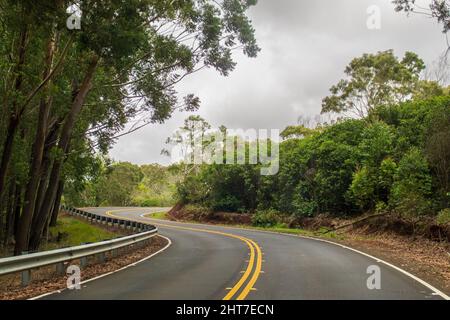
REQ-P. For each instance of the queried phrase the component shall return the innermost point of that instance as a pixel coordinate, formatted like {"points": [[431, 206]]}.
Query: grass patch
{"points": [[280, 228], [158, 215], [72, 232], [297, 232]]}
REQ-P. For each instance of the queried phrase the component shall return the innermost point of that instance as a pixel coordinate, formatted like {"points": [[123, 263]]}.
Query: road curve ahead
{"points": [[212, 263]]}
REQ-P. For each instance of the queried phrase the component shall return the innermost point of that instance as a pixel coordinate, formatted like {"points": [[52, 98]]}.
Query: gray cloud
{"points": [[305, 48]]}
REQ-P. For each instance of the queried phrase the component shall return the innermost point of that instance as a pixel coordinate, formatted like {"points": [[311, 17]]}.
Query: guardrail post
{"points": [[60, 269], [26, 277], [83, 262], [101, 257]]}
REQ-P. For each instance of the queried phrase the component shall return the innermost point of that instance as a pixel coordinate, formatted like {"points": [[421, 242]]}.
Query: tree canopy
{"points": [[373, 80]]}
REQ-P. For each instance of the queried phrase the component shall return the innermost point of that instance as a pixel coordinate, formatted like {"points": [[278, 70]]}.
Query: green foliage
{"points": [[377, 143], [373, 80], [72, 232], [304, 207], [116, 187], [371, 185], [266, 219], [230, 188], [296, 132], [443, 218], [125, 184], [363, 188], [412, 185], [347, 168], [151, 203], [157, 187]]}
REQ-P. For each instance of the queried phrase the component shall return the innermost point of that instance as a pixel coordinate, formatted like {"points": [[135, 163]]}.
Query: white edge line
{"points": [[112, 272], [378, 260]]}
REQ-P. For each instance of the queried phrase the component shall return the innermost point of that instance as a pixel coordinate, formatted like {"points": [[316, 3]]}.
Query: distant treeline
{"points": [[124, 184]]}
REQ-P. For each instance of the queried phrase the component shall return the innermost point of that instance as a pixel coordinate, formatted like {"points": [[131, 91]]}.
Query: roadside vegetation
{"points": [[279, 228], [123, 184], [70, 232], [389, 158], [159, 215]]}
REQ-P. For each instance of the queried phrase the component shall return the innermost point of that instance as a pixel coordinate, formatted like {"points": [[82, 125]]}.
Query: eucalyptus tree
{"points": [[373, 80]]}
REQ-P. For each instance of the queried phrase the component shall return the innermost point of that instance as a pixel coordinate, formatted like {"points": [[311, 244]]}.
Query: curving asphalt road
{"points": [[211, 263]]}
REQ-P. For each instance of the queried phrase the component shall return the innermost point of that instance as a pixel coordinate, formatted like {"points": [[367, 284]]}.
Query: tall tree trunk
{"points": [[64, 140], [17, 209], [9, 227], [36, 157], [14, 119], [55, 212], [3, 222], [7, 150], [50, 143]]}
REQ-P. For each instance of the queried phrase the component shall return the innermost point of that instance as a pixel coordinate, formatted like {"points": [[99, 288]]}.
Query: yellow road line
{"points": [[256, 274], [247, 272], [250, 243]]}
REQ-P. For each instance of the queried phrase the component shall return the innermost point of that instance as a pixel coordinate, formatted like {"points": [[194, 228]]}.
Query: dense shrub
{"points": [[266, 219], [411, 190], [443, 217]]}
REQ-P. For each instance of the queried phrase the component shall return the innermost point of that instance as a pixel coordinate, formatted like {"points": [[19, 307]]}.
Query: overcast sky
{"points": [[306, 46]]}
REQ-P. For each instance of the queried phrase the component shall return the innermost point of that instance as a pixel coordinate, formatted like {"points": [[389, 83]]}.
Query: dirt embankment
{"points": [[182, 213]]}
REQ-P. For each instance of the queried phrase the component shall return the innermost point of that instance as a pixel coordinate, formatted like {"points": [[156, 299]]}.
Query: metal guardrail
{"points": [[27, 262]]}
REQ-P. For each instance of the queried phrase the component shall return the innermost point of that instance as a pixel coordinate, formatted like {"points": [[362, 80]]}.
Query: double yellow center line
{"points": [[246, 283], [253, 270]]}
